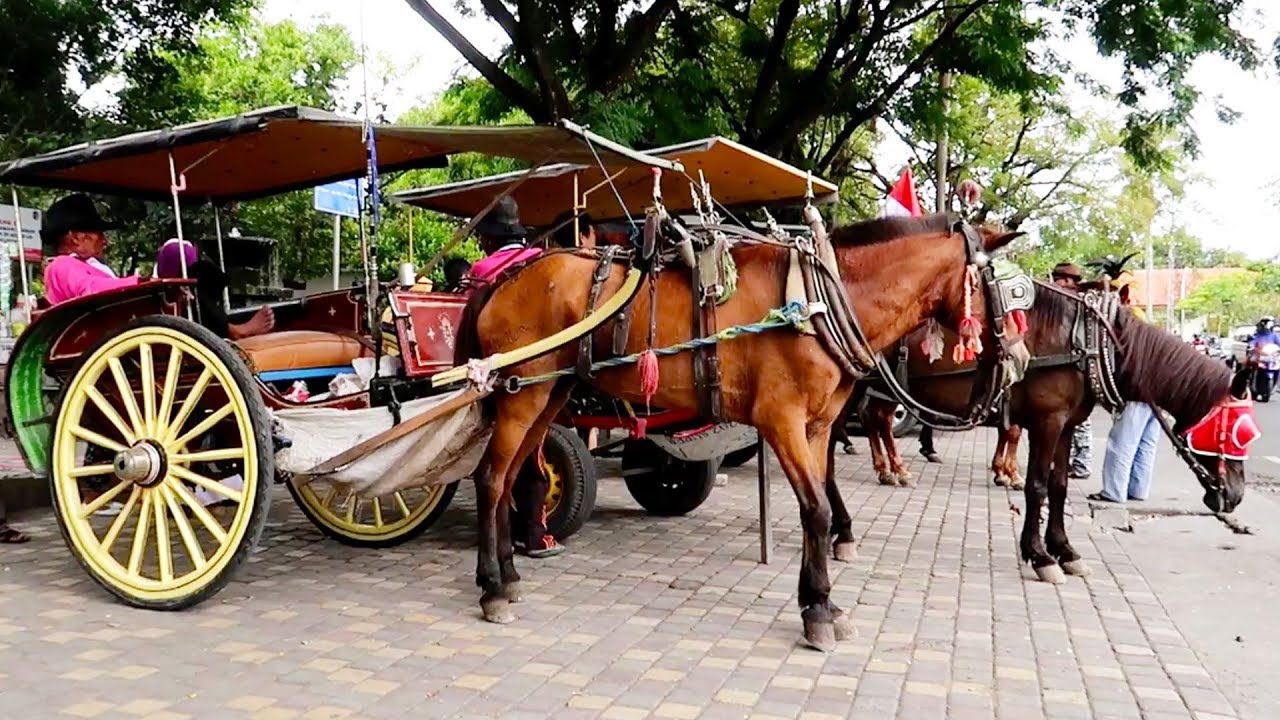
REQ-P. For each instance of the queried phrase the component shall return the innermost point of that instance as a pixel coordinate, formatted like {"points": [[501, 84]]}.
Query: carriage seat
{"points": [[296, 354]]}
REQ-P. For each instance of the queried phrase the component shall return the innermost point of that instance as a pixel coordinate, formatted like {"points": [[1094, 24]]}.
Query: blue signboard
{"points": [[340, 198]]}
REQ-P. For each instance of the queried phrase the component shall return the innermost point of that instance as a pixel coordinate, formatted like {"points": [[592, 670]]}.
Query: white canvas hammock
{"points": [[442, 451]]}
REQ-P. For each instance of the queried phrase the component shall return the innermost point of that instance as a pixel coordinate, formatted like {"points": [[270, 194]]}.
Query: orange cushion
{"points": [[300, 350]]}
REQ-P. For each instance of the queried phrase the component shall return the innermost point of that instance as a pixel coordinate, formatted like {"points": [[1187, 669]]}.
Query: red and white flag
{"points": [[902, 200]]}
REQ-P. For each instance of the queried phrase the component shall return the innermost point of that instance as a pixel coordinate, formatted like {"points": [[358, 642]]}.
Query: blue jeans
{"points": [[1131, 454]]}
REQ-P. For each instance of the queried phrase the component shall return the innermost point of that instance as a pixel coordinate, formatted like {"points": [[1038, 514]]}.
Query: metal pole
{"points": [[22, 255], [766, 524], [1151, 261], [222, 260], [1168, 293], [940, 160], [175, 187], [337, 248]]}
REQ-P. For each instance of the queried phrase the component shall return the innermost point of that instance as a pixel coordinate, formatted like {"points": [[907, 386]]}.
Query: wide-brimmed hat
{"points": [[503, 221], [71, 214], [1067, 270]]}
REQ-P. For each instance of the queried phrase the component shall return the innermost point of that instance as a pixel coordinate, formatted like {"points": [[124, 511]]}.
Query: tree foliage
{"points": [[771, 71], [1233, 299]]}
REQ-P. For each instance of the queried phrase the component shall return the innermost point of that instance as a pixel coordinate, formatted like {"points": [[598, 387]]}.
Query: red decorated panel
{"points": [[426, 327], [98, 315]]}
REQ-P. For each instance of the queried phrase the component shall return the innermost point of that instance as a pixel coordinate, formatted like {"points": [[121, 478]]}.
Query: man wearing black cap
{"points": [[1067, 275], [74, 229]]}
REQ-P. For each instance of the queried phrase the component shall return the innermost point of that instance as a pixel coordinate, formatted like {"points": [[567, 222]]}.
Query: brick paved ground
{"points": [[669, 618]]}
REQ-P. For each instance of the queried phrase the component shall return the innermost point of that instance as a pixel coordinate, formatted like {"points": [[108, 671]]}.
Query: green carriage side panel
{"points": [[24, 385]]}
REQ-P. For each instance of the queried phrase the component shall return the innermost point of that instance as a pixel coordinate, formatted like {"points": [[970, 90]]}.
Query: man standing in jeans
{"points": [[1067, 276], [1131, 446]]}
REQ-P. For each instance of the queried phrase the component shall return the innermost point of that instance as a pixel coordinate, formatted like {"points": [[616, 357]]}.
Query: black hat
{"points": [[1067, 270], [70, 214], [503, 221]]}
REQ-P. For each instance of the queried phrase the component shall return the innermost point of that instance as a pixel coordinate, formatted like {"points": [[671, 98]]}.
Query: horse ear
{"points": [[1240, 383], [992, 240]]}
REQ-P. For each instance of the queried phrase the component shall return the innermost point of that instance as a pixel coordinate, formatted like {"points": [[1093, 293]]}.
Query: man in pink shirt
{"points": [[74, 228], [503, 239]]}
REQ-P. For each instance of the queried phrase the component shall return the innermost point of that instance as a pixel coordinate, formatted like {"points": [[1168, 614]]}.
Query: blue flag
{"points": [[375, 194]]}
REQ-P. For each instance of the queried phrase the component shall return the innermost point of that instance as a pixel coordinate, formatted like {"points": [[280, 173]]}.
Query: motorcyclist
{"points": [[1266, 334]]}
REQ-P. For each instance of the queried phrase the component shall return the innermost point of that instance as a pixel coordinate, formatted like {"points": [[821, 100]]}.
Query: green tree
{"points": [[1231, 300], [771, 70]]}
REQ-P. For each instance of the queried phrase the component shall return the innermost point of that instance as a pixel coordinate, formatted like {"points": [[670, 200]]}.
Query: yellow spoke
{"points": [[148, 368], [164, 551], [118, 524], [87, 470], [140, 534], [184, 528], [189, 405], [93, 437], [377, 512], [235, 453], [404, 507], [104, 407], [126, 395], [202, 428], [205, 517], [352, 503], [102, 500], [329, 496], [207, 483], [170, 390]]}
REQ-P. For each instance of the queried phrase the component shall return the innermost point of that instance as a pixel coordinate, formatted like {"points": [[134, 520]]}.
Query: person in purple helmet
{"points": [[210, 280]]}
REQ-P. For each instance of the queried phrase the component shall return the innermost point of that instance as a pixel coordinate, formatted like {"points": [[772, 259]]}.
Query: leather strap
{"points": [[603, 269]]}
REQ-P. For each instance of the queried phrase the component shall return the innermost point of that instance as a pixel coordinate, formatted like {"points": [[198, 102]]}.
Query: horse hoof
{"points": [[845, 629], [820, 635], [905, 480], [512, 593], [1051, 574], [845, 551], [1017, 484], [1000, 480], [888, 479], [1078, 568], [497, 610]]}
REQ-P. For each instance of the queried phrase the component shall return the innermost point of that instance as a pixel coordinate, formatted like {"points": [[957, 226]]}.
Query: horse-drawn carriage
{"points": [[162, 440]]}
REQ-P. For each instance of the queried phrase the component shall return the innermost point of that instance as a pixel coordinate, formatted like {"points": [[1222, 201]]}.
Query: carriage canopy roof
{"points": [[739, 178], [273, 150]]}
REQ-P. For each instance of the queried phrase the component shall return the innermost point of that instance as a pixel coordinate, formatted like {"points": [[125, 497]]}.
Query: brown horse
{"points": [[896, 272], [943, 385], [1153, 367]]}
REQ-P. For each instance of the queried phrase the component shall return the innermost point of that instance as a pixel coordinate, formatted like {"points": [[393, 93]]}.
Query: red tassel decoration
{"points": [[648, 375], [970, 345], [640, 428]]}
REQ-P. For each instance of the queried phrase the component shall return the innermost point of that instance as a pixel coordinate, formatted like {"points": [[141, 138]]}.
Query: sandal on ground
{"points": [[1099, 497], [12, 536], [550, 548]]}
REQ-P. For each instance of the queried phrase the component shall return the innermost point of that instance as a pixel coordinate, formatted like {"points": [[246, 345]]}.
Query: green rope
{"points": [[792, 314]]}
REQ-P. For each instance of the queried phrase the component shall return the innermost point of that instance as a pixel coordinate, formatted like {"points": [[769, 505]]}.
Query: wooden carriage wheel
{"points": [[372, 522], [183, 494]]}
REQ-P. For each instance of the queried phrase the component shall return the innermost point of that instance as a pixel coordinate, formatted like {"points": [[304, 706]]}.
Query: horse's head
{"points": [[1220, 445]]}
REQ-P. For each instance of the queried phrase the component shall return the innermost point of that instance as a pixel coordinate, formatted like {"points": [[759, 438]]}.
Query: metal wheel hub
{"points": [[142, 464]]}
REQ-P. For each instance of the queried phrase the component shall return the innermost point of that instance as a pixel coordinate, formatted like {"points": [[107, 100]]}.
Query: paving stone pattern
{"points": [[645, 617]]}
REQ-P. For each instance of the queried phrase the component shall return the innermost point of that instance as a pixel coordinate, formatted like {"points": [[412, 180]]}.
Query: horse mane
{"points": [[1157, 368], [879, 230], [1050, 319]]}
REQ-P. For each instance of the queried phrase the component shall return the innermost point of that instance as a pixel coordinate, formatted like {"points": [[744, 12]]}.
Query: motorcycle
{"points": [[1265, 360]]}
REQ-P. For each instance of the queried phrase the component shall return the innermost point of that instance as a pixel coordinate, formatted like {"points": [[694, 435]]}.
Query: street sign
{"points": [[30, 227], [340, 198]]}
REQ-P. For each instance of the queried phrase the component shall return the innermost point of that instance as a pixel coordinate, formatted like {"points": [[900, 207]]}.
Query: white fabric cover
{"points": [[444, 450]]}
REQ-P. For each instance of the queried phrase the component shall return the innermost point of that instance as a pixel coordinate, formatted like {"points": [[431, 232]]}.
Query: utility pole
{"points": [[1151, 261], [940, 160], [1168, 314]]}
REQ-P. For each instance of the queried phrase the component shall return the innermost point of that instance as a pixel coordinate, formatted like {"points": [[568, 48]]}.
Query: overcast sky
{"points": [[1237, 205]]}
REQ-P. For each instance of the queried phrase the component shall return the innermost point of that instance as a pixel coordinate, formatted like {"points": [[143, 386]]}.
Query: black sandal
{"points": [[12, 536], [1099, 497]]}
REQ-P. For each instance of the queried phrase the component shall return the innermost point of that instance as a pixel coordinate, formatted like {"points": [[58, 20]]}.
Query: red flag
{"points": [[902, 198]]}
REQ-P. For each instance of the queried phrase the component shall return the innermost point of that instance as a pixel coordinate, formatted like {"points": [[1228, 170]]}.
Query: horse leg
{"points": [[1055, 538], [1044, 443], [871, 423], [896, 466], [998, 471], [517, 416], [844, 547], [1016, 482], [822, 450], [787, 437]]}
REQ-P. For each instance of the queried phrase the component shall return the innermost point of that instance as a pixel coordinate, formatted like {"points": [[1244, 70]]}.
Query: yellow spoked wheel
{"points": [[161, 463], [569, 472], [372, 522]]}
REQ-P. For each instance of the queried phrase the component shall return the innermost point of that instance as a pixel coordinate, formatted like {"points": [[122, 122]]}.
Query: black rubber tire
{"points": [[261, 503], [423, 525], [738, 458], [564, 451], [666, 486]]}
